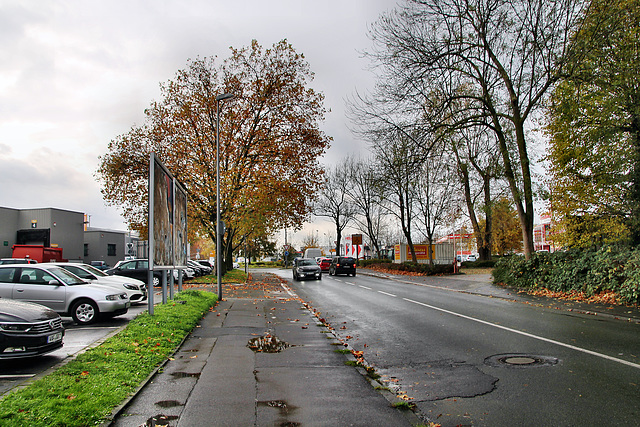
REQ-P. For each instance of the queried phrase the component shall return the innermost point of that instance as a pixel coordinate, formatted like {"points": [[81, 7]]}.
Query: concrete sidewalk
{"points": [[216, 379]]}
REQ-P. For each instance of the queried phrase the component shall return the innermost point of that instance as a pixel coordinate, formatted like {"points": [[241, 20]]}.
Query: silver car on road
{"points": [[61, 291]]}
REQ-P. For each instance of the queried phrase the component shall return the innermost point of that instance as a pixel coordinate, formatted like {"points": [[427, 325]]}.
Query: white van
{"points": [[312, 253]]}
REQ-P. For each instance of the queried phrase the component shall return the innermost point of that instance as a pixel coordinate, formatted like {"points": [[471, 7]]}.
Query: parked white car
{"points": [[135, 289], [61, 291]]}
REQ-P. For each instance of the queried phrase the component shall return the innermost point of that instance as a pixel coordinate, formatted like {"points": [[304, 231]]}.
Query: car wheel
{"points": [[84, 312], [354, 274]]}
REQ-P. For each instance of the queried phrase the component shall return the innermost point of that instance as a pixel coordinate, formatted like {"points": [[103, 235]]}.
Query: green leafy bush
{"points": [[412, 267], [373, 261], [479, 264], [609, 268]]}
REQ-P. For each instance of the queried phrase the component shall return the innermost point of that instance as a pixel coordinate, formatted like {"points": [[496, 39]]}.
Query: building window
{"points": [[111, 249], [86, 249]]}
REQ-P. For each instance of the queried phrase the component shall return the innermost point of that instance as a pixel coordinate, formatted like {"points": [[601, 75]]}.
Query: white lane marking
{"points": [[289, 291], [526, 334], [387, 293], [364, 287]]}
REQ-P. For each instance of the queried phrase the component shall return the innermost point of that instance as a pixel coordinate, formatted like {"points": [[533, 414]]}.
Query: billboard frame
{"points": [[167, 227]]}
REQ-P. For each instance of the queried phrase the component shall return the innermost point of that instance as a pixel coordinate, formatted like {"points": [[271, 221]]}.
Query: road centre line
{"points": [[364, 287], [387, 293], [526, 334]]}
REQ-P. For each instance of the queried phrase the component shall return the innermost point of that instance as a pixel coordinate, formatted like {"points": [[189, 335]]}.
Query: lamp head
{"points": [[224, 96]]}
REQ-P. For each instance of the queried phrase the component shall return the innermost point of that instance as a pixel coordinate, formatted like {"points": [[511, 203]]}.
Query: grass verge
{"points": [[85, 391], [231, 276]]}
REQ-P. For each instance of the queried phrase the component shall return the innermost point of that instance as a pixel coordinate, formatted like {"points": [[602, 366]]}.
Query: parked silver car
{"points": [[136, 290], [61, 291]]}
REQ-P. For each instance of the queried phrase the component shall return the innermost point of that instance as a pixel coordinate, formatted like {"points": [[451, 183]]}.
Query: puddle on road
{"points": [[159, 420], [185, 375], [168, 403], [267, 344], [283, 407]]}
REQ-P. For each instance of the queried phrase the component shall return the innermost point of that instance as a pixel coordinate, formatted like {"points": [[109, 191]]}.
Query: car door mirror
{"points": [[54, 282]]}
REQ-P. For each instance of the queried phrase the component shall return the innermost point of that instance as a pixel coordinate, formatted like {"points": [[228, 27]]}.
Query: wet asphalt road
{"points": [[483, 360]]}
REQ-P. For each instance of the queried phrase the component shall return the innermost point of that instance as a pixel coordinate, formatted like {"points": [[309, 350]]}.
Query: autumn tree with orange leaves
{"points": [[270, 143]]}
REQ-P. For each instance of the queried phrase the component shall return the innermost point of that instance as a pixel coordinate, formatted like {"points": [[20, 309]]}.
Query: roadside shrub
{"points": [[368, 262], [592, 272], [479, 264], [417, 268], [267, 264]]}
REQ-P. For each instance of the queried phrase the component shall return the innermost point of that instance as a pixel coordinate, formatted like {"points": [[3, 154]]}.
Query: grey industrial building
{"points": [[52, 227]]}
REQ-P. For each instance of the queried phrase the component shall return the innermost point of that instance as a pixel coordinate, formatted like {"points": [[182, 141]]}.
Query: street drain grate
{"points": [[520, 361]]}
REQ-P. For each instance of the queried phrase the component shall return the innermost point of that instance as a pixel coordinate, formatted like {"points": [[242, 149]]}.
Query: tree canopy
{"points": [[594, 129], [270, 143], [487, 63]]}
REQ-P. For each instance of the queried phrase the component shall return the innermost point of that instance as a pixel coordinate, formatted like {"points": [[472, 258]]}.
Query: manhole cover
{"points": [[520, 361]]}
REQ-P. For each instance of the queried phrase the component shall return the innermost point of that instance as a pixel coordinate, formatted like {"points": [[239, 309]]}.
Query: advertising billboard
{"points": [[167, 218], [181, 245]]}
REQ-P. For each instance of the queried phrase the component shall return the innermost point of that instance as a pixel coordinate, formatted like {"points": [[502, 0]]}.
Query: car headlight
{"points": [[114, 297], [13, 327], [131, 286]]}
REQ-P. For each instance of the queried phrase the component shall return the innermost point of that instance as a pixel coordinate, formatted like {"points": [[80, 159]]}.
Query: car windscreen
{"points": [[307, 262], [94, 271], [66, 277]]}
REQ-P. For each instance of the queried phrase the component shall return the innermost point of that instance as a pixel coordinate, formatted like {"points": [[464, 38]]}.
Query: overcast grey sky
{"points": [[76, 73]]}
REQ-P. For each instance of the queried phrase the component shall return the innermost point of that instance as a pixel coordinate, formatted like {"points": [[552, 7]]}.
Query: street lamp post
{"points": [[219, 98]]}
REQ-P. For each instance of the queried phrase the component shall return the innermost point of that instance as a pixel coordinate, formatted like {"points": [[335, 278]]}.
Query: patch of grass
{"points": [[235, 276], [380, 387], [404, 405], [371, 373], [231, 276], [87, 389]]}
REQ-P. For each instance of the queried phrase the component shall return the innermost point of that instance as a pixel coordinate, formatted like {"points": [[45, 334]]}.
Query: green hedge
{"points": [[479, 264], [592, 272], [373, 261], [412, 267]]}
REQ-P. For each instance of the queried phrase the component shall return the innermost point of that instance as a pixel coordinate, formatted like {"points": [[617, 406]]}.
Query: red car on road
{"points": [[324, 264]]}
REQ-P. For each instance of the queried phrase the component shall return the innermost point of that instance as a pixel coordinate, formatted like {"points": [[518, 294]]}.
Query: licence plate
{"points": [[54, 337]]}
